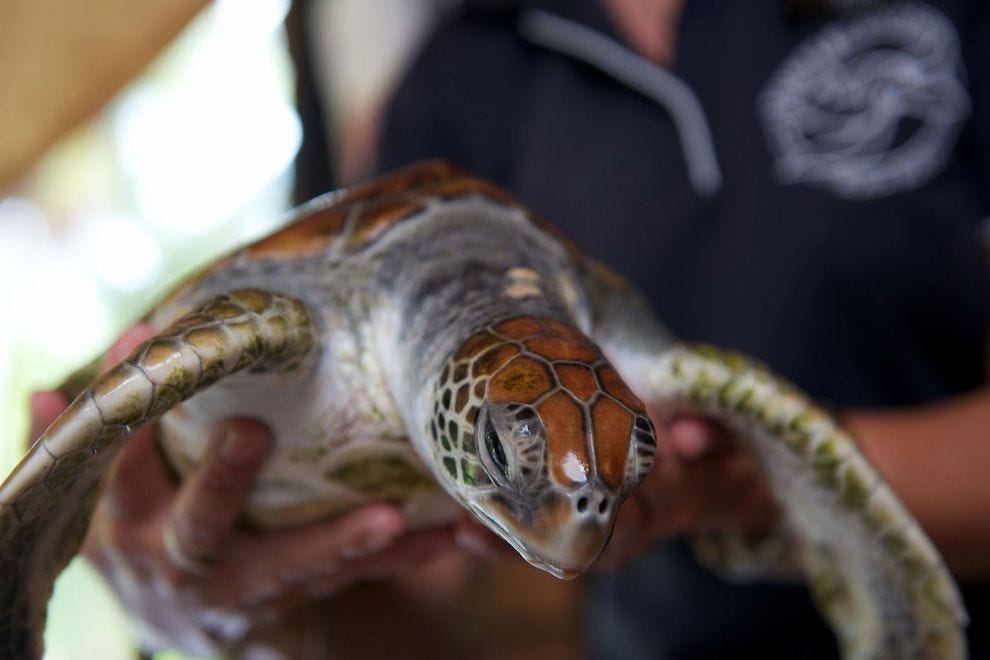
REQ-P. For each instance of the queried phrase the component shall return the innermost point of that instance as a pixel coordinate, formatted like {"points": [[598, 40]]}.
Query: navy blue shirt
{"points": [[840, 246]]}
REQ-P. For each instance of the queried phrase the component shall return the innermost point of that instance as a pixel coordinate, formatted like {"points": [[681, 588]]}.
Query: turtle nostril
{"points": [[582, 504], [603, 505]]}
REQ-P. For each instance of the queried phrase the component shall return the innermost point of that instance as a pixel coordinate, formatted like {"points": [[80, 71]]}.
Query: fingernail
{"points": [[691, 440], [363, 546]]}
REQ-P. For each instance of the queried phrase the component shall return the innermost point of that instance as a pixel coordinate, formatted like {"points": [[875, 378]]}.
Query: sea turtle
{"points": [[428, 329]]}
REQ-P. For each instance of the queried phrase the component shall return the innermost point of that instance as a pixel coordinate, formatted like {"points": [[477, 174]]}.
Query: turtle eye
{"points": [[495, 449]]}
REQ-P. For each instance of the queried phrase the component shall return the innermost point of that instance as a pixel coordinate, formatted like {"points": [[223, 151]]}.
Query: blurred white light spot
{"points": [[21, 215], [362, 47], [258, 16], [198, 150], [123, 255], [575, 469], [68, 317], [24, 241], [196, 157]]}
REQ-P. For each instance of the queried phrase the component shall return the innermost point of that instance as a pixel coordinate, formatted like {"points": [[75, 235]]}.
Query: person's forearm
{"points": [[937, 459]]}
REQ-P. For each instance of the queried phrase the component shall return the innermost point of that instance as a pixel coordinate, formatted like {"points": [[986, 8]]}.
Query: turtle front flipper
{"points": [[873, 572], [46, 501]]}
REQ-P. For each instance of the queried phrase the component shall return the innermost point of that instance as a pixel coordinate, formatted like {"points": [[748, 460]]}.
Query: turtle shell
{"points": [[347, 221], [350, 220]]}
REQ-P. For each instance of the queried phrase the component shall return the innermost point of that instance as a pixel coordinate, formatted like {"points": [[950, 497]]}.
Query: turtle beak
{"points": [[563, 535]]}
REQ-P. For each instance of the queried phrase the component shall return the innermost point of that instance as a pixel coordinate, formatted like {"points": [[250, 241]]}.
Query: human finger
{"points": [[732, 493], [724, 489], [267, 566], [684, 497], [695, 438], [210, 500], [631, 536], [406, 554], [140, 484]]}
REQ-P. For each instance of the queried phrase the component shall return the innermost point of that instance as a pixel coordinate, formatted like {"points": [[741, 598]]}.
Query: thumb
{"points": [[695, 438]]}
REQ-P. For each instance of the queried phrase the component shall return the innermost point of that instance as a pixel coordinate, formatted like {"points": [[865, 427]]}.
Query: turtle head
{"points": [[538, 436]]}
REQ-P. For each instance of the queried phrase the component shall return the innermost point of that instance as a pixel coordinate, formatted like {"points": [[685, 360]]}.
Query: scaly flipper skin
{"points": [[874, 574], [45, 503]]}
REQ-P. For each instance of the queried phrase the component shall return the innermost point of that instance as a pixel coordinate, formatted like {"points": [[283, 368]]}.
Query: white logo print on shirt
{"points": [[870, 106]]}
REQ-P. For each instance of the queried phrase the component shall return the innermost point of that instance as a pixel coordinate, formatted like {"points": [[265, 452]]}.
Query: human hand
{"points": [[700, 482], [190, 578]]}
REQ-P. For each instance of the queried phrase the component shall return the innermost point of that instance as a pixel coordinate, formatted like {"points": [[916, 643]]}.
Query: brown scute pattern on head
{"points": [[616, 388], [520, 328], [522, 380], [492, 359], [579, 380], [564, 330], [477, 343], [561, 348], [613, 428], [564, 421], [546, 367]]}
